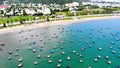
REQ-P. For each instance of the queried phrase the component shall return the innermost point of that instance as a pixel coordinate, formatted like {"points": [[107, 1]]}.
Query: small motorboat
{"points": [[20, 65], [38, 56], [58, 65], [20, 60], [48, 56], [50, 61], [95, 60], [60, 60], [109, 62], [1, 49], [68, 58], [35, 63], [81, 61]]}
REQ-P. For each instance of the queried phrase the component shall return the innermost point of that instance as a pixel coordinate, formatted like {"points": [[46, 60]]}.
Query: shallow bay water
{"points": [[84, 39]]}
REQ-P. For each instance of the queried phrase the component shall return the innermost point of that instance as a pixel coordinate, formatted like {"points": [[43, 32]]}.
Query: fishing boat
{"points": [[35, 63], [60, 60], [48, 56], [50, 61], [58, 65], [38, 56], [20, 59], [20, 65], [109, 62], [68, 58]]}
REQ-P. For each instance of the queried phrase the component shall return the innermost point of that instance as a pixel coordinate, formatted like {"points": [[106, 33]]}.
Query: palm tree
{"points": [[3, 22], [7, 22], [4, 25], [48, 18], [21, 20]]}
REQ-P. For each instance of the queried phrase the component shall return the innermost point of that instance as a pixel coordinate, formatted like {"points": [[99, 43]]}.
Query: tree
{"points": [[8, 9], [3, 22], [21, 21], [109, 10], [24, 13], [4, 25], [65, 10], [35, 9], [80, 8], [52, 11], [40, 14], [94, 6], [7, 22], [2, 11], [48, 18], [69, 14]]}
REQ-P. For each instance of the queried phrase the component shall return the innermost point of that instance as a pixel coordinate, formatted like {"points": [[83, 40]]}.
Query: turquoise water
{"points": [[89, 35]]}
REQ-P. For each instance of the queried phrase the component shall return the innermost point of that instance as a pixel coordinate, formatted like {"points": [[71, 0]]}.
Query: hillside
{"points": [[44, 1]]}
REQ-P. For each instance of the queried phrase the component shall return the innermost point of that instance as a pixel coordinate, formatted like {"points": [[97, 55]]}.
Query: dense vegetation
{"points": [[45, 1]]}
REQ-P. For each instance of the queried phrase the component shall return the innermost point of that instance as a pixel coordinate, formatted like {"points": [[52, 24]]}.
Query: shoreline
{"points": [[52, 23]]}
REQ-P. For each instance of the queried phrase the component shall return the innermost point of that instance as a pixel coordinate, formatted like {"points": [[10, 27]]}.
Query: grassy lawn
{"points": [[17, 19], [93, 16]]}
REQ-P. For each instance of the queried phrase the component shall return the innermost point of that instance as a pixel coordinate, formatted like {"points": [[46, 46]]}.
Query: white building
{"points": [[102, 3], [30, 11], [6, 3], [45, 10], [73, 4]]}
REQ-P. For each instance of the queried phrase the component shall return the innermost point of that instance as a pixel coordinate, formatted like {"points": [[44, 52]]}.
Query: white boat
{"points": [[81, 61], [106, 57], [109, 62], [20, 65], [60, 60], [48, 56], [50, 61], [63, 52], [68, 58], [38, 56], [34, 50], [95, 60], [99, 56], [35, 63], [74, 51], [20, 60], [9, 58], [29, 48], [58, 65], [100, 48]]}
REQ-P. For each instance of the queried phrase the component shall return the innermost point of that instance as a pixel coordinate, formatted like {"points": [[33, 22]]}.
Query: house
{"points": [[30, 11], [45, 10], [73, 4], [6, 3], [3, 7], [102, 3]]}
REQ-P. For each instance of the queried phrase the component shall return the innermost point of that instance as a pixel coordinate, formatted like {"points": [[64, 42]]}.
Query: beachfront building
{"points": [[21, 8], [116, 13], [102, 3], [55, 6], [73, 4], [3, 7], [6, 3], [72, 7], [45, 10], [30, 11]]}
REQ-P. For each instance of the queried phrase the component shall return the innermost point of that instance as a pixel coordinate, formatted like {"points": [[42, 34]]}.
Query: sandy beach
{"points": [[53, 23], [66, 42]]}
